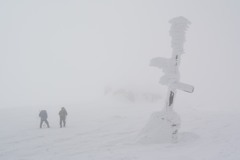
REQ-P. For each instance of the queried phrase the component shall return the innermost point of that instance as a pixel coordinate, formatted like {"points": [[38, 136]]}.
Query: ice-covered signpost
{"points": [[163, 126]]}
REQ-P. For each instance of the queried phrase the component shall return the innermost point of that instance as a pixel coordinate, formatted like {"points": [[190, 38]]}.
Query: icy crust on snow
{"points": [[103, 131], [162, 127]]}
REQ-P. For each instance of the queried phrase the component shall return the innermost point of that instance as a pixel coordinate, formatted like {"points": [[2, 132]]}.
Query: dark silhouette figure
{"points": [[43, 115], [63, 115]]}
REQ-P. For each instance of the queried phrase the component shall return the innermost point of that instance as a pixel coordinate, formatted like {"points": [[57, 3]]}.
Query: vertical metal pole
{"points": [[177, 32]]}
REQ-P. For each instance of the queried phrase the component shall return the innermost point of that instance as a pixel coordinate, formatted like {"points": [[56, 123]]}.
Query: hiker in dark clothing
{"points": [[63, 115], [43, 115]]}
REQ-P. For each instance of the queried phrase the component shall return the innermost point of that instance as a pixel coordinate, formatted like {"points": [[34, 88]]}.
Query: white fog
{"points": [[93, 58]]}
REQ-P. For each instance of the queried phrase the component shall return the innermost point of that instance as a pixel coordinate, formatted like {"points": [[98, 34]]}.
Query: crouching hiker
{"points": [[62, 115], [43, 115]]}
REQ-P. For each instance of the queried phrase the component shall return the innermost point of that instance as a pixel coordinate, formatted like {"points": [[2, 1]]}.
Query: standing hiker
{"points": [[62, 115], [43, 115]]}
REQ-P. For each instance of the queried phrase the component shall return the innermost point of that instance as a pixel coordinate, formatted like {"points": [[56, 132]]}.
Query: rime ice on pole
{"points": [[163, 126], [170, 66]]}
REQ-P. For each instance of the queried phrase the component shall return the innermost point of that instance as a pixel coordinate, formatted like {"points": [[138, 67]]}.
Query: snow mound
{"points": [[162, 127]]}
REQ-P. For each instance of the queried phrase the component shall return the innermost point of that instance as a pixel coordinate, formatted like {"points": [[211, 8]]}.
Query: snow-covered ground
{"points": [[108, 131]]}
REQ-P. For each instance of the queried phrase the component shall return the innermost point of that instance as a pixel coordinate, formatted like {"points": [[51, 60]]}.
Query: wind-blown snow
{"points": [[110, 132], [65, 52]]}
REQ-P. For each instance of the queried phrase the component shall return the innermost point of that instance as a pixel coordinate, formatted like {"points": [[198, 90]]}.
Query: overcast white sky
{"points": [[56, 52]]}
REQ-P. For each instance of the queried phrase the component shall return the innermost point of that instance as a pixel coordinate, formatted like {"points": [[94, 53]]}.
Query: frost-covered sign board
{"points": [[163, 126], [170, 66]]}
